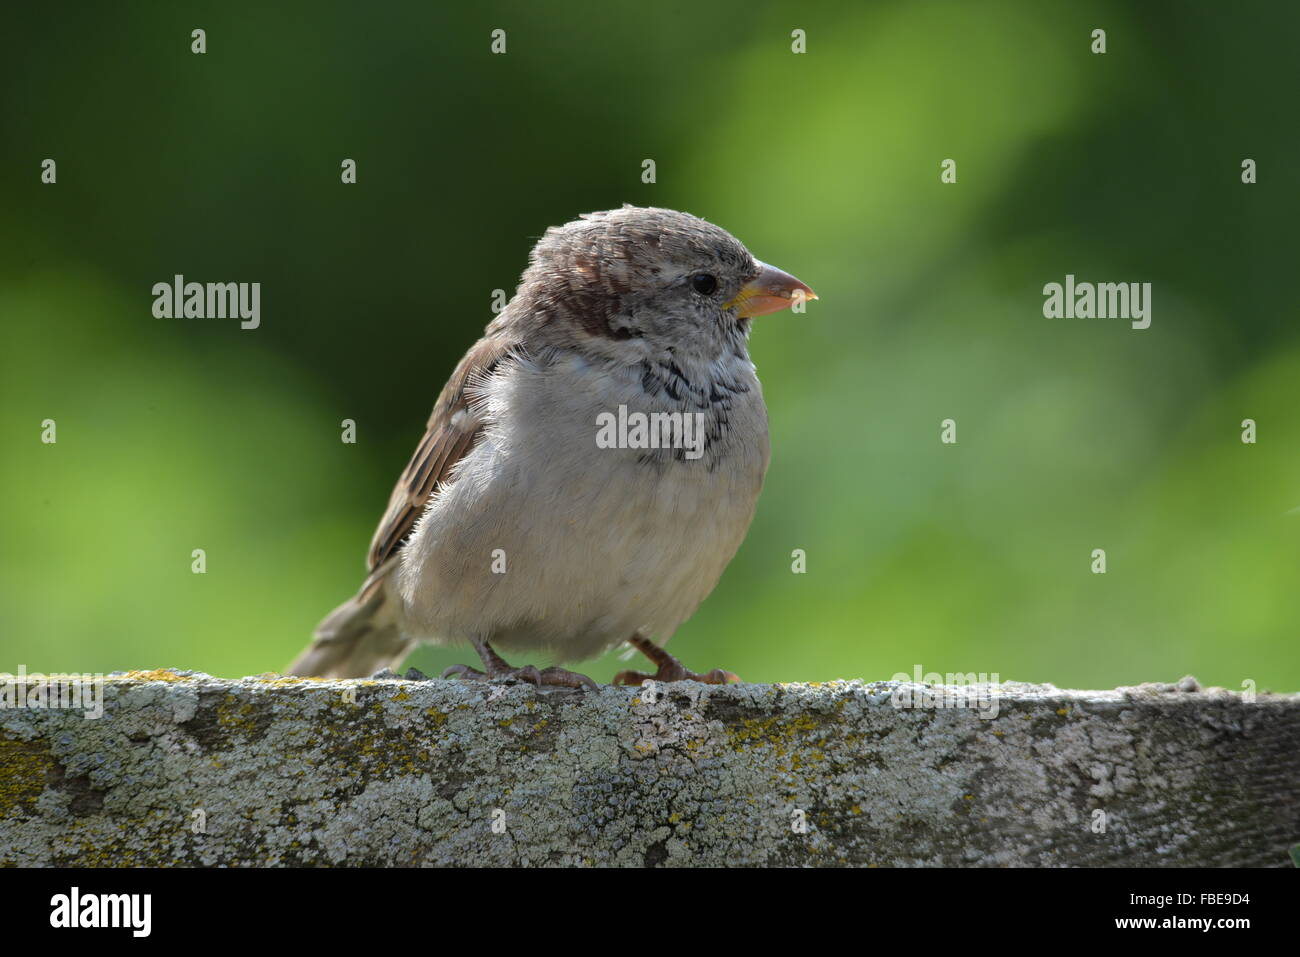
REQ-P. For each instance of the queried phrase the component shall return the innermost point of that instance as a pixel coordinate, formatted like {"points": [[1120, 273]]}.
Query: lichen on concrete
{"points": [[185, 769]]}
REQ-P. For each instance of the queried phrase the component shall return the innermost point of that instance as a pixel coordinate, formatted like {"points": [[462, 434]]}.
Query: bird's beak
{"points": [[770, 291]]}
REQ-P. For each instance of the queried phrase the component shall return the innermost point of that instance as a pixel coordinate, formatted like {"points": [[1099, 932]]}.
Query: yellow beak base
{"points": [[770, 291]]}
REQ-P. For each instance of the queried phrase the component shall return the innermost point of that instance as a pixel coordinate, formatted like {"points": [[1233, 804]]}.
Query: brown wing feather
{"points": [[444, 444]]}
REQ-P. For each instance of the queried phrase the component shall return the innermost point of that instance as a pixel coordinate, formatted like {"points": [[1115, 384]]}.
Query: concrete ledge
{"points": [[184, 769]]}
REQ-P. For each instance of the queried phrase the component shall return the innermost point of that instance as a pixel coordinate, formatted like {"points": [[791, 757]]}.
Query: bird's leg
{"points": [[670, 669], [498, 667]]}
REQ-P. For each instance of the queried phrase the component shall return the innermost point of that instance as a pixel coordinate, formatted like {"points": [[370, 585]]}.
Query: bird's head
{"points": [[640, 281]]}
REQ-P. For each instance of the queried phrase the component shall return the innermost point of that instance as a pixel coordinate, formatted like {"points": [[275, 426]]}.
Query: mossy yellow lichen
{"points": [[281, 681], [777, 732], [24, 769], [237, 716], [158, 674]]}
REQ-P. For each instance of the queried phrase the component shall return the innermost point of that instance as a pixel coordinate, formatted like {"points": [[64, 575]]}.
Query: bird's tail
{"points": [[355, 640]]}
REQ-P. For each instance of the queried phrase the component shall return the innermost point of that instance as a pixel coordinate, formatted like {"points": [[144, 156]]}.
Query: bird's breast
{"points": [[612, 505]]}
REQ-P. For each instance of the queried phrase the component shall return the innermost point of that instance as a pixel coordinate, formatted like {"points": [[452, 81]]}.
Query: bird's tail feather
{"points": [[355, 640]]}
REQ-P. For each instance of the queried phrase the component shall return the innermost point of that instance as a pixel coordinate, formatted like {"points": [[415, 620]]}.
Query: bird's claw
{"points": [[675, 671], [669, 668]]}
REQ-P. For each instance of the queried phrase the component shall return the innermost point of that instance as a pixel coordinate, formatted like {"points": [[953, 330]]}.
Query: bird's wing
{"points": [[451, 433]]}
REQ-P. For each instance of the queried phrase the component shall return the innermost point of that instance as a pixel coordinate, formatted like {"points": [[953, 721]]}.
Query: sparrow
{"points": [[514, 526]]}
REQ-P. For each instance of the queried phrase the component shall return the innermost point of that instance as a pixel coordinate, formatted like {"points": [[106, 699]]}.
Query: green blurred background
{"points": [[1073, 434]]}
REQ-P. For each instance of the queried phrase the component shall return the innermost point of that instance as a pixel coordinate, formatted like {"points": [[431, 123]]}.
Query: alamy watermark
{"points": [[933, 691], [1103, 300], [75, 909], [62, 691], [651, 430], [179, 299]]}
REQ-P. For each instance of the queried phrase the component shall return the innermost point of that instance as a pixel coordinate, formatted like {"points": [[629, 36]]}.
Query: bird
{"points": [[538, 513]]}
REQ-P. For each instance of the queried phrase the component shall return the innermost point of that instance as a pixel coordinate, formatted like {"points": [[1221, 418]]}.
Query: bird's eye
{"points": [[704, 284]]}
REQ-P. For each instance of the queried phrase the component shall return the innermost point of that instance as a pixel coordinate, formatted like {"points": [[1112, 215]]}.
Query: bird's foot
{"points": [[669, 668], [499, 670]]}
